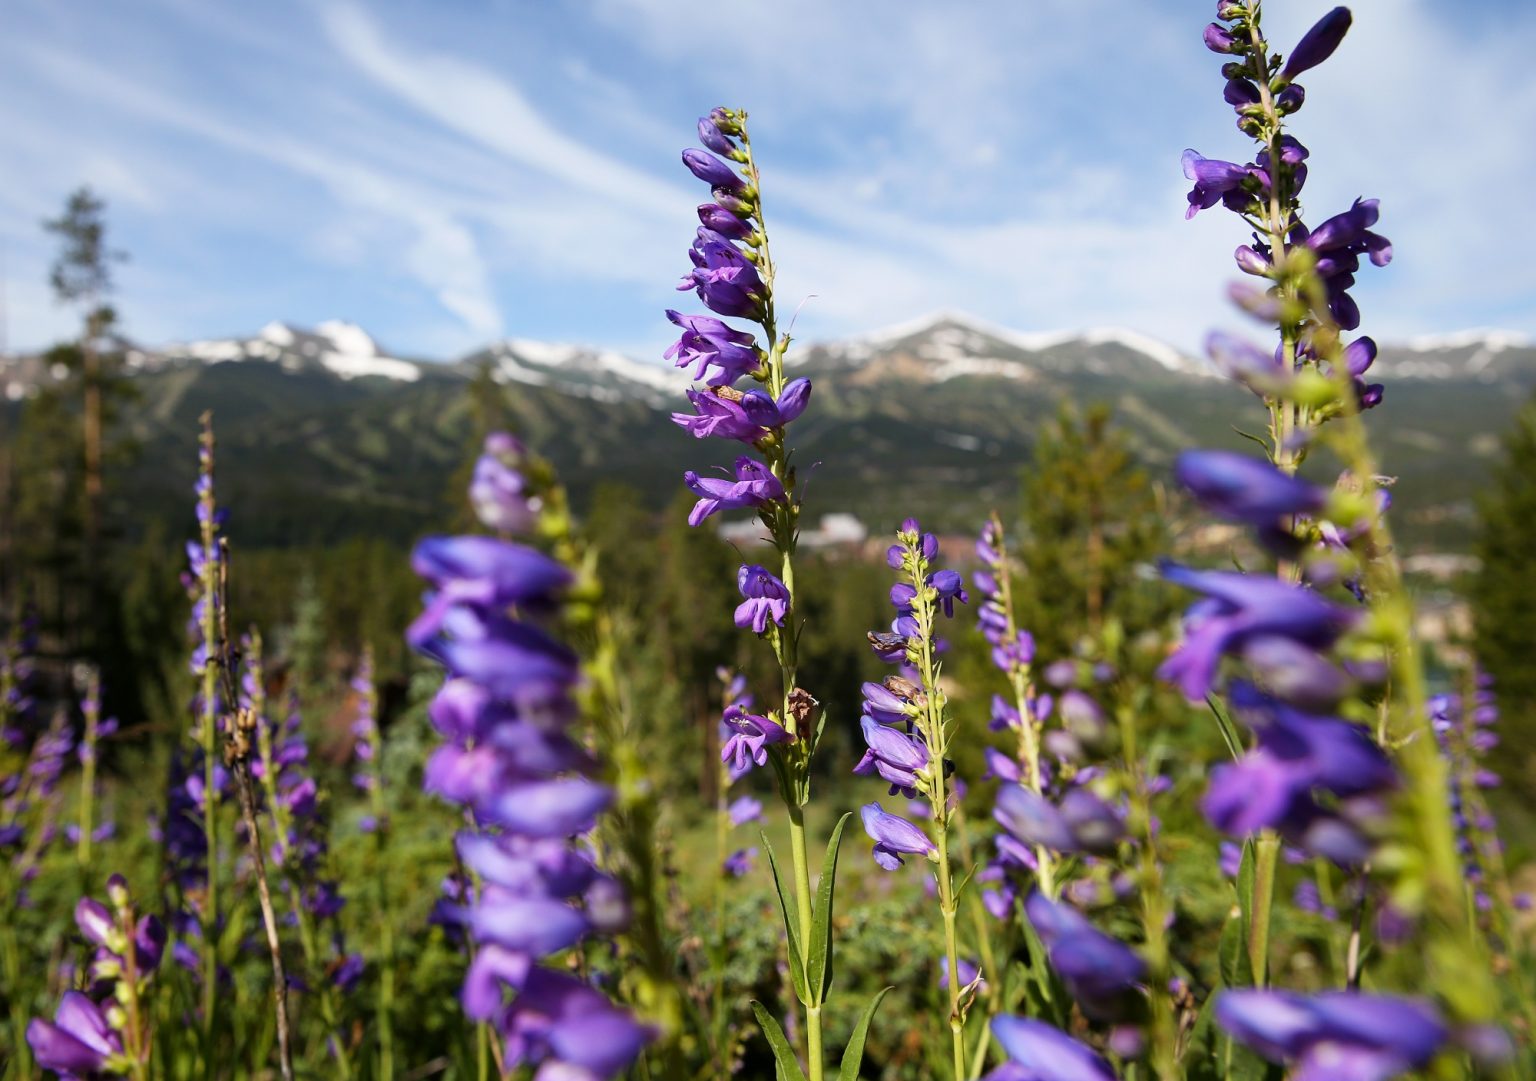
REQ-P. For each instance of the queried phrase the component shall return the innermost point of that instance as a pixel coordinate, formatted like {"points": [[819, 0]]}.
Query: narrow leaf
{"points": [[819, 978], [853, 1054], [783, 1055], [791, 925], [1229, 734]]}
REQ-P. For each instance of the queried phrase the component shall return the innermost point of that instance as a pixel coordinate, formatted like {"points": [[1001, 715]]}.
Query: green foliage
{"points": [[1091, 519], [1503, 594]]}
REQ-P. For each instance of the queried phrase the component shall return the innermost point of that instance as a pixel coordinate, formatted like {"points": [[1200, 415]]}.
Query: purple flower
{"points": [[970, 973], [767, 598], [1215, 182], [725, 279], [1219, 39], [725, 413], [894, 837], [1318, 43], [1245, 489], [78, 1042], [894, 756], [744, 809], [709, 343], [1237, 609], [751, 736], [1039, 1052], [1258, 370], [739, 863], [711, 170], [1082, 823], [499, 491], [1100, 972], [754, 486], [718, 219], [1335, 1034], [1298, 758]]}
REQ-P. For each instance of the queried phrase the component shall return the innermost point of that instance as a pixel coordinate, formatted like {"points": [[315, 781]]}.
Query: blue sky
{"points": [[448, 172]]}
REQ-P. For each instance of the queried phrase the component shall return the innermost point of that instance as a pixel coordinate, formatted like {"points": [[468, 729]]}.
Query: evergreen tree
{"points": [[1503, 592], [82, 276], [1091, 518]]}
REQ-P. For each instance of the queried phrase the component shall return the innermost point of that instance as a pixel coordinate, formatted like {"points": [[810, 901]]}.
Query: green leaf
{"points": [[783, 1055], [1229, 733], [819, 978], [791, 925], [1232, 953], [853, 1054]]}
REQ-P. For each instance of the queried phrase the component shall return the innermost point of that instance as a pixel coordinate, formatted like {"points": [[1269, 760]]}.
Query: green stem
{"points": [[803, 912], [952, 953]]}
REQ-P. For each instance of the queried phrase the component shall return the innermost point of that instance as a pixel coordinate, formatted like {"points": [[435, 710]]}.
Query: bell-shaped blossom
{"points": [[750, 737], [711, 170], [707, 343], [78, 1042], [1260, 371], [1318, 43], [1334, 1034], [894, 837], [1238, 608], [1100, 972], [739, 863], [498, 490], [1315, 780], [1040, 1052], [724, 279], [744, 809], [1241, 488], [766, 598], [1216, 182], [754, 486], [893, 755]]}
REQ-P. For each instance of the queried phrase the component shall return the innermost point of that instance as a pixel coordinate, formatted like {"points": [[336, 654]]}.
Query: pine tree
{"points": [[82, 276], [1503, 592], [1091, 519]]}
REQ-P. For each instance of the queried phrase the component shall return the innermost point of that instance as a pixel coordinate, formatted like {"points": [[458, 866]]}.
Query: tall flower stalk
{"points": [[368, 750], [1313, 389], [733, 274], [205, 556], [907, 729], [526, 786]]}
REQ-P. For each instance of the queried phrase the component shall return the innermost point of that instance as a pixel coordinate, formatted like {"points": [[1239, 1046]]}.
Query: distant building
{"points": [[837, 530]]}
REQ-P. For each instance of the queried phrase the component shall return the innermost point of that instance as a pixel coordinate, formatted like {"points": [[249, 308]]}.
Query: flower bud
{"points": [[1219, 40]]}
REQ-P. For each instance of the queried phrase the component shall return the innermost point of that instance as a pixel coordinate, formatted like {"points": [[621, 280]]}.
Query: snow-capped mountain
{"points": [[345, 350], [589, 373], [951, 345]]}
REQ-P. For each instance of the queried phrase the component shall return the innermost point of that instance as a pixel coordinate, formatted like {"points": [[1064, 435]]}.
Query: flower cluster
{"points": [[526, 787], [735, 763], [105, 1032], [1265, 194], [1335, 1033], [902, 719], [300, 846]]}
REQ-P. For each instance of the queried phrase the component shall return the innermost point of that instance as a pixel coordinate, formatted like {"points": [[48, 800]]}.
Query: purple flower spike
{"points": [[894, 837], [711, 170], [754, 486], [1039, 1052], [1318, 43], [767, 598]]}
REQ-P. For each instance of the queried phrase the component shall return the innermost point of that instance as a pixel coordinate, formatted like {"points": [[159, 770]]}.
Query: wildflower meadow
{"points": [[573, 789]]}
